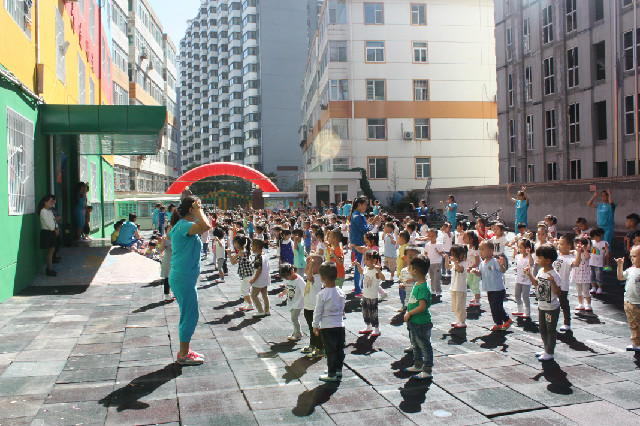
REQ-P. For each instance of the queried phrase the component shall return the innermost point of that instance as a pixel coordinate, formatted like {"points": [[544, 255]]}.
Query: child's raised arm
{"points": [[359, 249], [620, 263]]}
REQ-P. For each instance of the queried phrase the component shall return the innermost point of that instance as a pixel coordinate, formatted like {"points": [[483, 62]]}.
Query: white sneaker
{"points": [[295, 337], [539, 354], [580, 307], [633, 348], [565, 328], [168, 297], [423, 376], [258, 314], [545, 357]]}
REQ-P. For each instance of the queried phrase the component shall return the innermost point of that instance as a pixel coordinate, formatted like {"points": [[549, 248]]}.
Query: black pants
{"points": [[314, 341], [496, 299], [333, 341], [370, 311], [547, 321], [165, 283], [563, 297]]}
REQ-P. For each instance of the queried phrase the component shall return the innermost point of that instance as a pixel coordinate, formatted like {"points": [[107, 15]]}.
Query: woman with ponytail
{"points": [[359, 227], [185, 269]]}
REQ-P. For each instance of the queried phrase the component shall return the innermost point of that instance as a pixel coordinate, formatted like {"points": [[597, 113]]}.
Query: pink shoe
{"points": [[191, 358]]}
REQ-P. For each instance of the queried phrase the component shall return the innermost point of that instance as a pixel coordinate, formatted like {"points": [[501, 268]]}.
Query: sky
{"points": [[173, 15]]}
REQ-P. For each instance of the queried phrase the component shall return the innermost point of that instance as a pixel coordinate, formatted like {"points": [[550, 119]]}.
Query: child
{"points": [[491, 271], [294, 292], [336, 255], [372, 277], [500, 241], [312, 288], [524, 260], [403, 241], [582, 227], [482, 230], [260, 280], [205, 237], [457, 264], [406, 280], [411, 228], [307, 236], [86, 230], [632, 222], [162, 215], [563, 266], [447, 242], [473, 261], [116, 232], [551, 222], [152, 252], [461, 228], [546, 284], [218, 239], [245, 270], [328, 323], [320, 246], [434, 251], [299, 254], [580, 275], [390, 248], [286, 247], [599, 251], [631, 276], [418, 319], [371, 240]]}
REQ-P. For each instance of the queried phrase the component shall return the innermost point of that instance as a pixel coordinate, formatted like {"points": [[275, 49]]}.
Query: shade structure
{"points": [[222, 169]]}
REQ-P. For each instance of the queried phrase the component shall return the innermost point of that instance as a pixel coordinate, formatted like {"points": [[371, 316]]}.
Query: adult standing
{"points": [[48, 230], [185, 269], [522, 206], [346, 209], [422, 210], [451, 209], [358, 228], [375, 205], [606, 212], [81, 206]]}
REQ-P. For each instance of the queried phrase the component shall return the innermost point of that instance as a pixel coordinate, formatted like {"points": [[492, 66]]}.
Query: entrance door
{"points": [[322, 195]]}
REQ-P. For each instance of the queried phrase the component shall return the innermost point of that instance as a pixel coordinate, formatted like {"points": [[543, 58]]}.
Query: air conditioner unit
{"points": [[407, 136], [323, 106]]}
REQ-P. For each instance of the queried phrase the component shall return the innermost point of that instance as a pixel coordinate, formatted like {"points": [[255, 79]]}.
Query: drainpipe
{"points": [[52, 172], [37, 24], [635, 93], [102, 195], [615, 89]]}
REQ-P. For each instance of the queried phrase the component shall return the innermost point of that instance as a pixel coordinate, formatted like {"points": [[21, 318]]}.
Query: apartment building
{"points": [[566, 84], [404, 90], [144, 73], [240, 62]]}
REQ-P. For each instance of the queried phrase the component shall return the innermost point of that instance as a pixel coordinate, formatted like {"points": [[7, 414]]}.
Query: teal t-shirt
{"points": [[605, 215], [185, 252], [521, 211], [420, 291], [300, 257]]}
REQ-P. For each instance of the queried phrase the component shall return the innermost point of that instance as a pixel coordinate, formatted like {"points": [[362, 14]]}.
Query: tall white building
{"points": [[240, 64], [144, 73], [403, 89]]}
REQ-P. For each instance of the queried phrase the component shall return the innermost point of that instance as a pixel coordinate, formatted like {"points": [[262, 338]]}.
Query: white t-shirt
{"points": [[412, 238], [295, 292], [370, 283], [423, 230], [447, 241], [459, 238], [521, 263], [472, 257], [597, 253], [328, 308], [547, 299], [263, 279], [321, 246], [499, 244], [563, 267], [581, 274], [311, 290], [459, 279], [219, 249], [430, 249], [407, 280], [345, 230], [632, 285]]}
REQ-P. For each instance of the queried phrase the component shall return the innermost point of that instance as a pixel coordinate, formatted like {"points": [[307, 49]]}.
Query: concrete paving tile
{"points": [[412, 395], [88, 375], [20, 405], [148, 373], [44, 354], [585, 375], [634, 375], [455, 382], [88, 339], [97, 349], [91, 391], [483, 359], [34, 385], [220, 419], [273, 396], [212, 383], [353, 399], [513, 374], [374, 417], [286, 417], [260, 378], [150, 412], [447, 413], [613, 363], [92, 361], [496, 401], [252, 364], [148, 352], [142, 391], [534, 418], [599, 412], [138, 342], [40, 344], [202, 404], [624, 394], [34, 368], [555, 394]]}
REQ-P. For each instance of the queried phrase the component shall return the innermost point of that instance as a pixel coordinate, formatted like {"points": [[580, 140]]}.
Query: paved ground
{"points": [[103, 354]]}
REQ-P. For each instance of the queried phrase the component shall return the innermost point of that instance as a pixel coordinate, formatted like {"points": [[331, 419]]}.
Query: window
{"points": [[92, 20], [547, 24], [549, 81], [528, 84], [598, 10], [20, 164], [374, 51], [421, 127], [509, 44], [378, 168], [630, 168], [337, 11], [600, 110], [574, 123], [572, 16], [531, 173], [337, 51], [375, 90], [82, 93], [575, 169], [529, 129], [20, 11], [572, 67], [507, 7], [376, 129], [373, 13], [599, 55], [61, 49], [420, 90], [512, 136], [552, 169], [627, 44], [418, 14], [601, 169], [420, 52], [526, 35], [513, 174], [510, 89], [339, 90], [550, 127], [423, 167], [120, 95], [629, 115]]}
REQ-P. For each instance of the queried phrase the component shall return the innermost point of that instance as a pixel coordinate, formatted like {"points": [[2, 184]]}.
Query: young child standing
{"points": [[447, 241], [563, 266], [631, 276], [294, 292], [299, 254], [457, 264], [546, 284], [406, 280], [461, 228], [473, 261], [390, 248], [286, 247], [418, 319], [434, 251], [218, 240], [328, 322], [372, 277], [403, 241], [524, 260], [580, 275], [336, 255], [599, 251], [311, 290], [491, 271], [245, 270], [261, 279]]}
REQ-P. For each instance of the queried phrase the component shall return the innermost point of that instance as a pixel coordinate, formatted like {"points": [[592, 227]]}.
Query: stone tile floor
{"points": [[103, 353]]}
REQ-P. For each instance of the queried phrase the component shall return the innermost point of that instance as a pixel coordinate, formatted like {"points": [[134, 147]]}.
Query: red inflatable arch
{"points": [[222, 169]]}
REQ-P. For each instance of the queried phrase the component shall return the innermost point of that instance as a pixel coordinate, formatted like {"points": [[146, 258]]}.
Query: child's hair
{"points": [[487, 244], [547, 251], [157, 205], [569, 238], [153, 243], [117, 225], [474, 239], [414, 249], [372, 236], [90, 208], [482, 221], [635, 218], [447, 224], [162, 208], [459, 252], [298, 233], [329, 271], [372, 254], [337, 233], [521, 225], [390, 225], [500, 225], [422, 219], [462, 224], [551, 218], [404, 235], [421, 264], [581, 221], [286, 232], [258, 243], [243, 242], [320, 234], [596, 232], [286, 269], [527, 243], [218, 232], [634, 235], [432, 231], [411, 226], [543, 224], [581, 240]]}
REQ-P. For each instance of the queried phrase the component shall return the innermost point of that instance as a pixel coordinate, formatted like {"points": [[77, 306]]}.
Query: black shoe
{"points": [[51, 273]]}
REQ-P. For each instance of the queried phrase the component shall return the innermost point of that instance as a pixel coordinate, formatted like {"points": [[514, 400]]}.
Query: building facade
{"points": [[144, 73], [239, 61], [566, 84], [404, 90]]}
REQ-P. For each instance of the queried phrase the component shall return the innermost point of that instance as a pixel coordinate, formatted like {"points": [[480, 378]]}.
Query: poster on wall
{"points": [[284, 203]]}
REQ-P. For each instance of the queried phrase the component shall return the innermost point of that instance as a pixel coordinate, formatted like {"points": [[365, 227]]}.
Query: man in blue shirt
{"points": [[451, 209], [128, 231], [522, 205], [422, 210], [606, 212]]}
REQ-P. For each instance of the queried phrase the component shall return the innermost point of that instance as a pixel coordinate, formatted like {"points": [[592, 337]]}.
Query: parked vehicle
{"points": [[489, 217]]}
